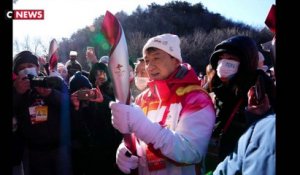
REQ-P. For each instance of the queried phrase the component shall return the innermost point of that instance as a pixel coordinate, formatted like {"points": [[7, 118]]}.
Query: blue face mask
{"points": [[26, 71]]}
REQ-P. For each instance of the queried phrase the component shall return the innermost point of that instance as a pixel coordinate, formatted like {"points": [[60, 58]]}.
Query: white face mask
{"points": [[26, 71], [227, 68], [141, 82]]}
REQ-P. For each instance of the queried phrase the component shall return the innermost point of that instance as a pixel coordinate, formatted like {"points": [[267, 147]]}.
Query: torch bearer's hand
{"points": [[124, 161], [131, 119], [126, 117]]}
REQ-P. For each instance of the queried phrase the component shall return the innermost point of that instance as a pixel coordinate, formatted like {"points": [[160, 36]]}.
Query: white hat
{"points": [[73, 53], [167, 42], [104, 59]]}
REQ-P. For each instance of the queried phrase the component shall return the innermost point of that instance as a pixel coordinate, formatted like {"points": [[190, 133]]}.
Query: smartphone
{"points": [[86, 94], [259, 90]]}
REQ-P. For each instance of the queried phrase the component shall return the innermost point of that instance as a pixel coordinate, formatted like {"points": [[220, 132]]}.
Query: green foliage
{"points": [[199, 29]]}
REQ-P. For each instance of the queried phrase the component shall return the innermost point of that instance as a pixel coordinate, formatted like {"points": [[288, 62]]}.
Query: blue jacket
{"points": [[255, 152]]}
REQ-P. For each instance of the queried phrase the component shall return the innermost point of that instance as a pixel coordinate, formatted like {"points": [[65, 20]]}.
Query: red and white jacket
{"points": [[186, 111]]}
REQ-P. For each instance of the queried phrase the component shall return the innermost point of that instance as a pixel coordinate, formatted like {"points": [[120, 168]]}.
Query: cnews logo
{"points": [[26, 14]]}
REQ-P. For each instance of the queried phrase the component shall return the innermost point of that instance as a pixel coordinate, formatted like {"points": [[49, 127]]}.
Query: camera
{"points": [[86, 94], [259, 89], [38, 81]]}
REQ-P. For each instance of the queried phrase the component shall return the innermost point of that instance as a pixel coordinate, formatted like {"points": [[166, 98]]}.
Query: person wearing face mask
{"points": [[40, 112], [141, 77], [227, 66], [235, 62]]}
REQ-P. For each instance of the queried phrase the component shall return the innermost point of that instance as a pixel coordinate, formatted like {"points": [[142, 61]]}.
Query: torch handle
{"points": [[129, 141]]}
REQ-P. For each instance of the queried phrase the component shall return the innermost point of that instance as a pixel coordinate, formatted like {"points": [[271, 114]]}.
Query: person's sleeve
{"points": [[232, 163], [260, 155], [59, 96], [255, 152], [188, 143]]}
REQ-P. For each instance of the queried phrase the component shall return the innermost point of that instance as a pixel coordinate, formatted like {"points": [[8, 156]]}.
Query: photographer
{"points": [[94, 140], [40, 110]]}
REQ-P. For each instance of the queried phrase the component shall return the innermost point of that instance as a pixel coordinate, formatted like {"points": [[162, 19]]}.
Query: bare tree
{"points": [[16, 46], [26, 43], [136, 41], [36, 46]]}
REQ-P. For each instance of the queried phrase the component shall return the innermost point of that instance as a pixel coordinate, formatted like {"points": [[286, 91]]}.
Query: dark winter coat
{"points": [[227, 96]]}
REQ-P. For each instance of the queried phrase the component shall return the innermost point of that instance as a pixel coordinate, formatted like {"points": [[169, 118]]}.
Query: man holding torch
{"points": [[172, 120]]}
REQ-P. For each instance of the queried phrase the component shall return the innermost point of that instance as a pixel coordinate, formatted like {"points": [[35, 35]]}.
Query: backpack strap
{"points": [[228, 122]]}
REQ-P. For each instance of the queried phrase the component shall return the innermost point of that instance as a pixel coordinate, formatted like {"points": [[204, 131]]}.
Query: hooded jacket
{"points": [[183, 107], [228, 96]]}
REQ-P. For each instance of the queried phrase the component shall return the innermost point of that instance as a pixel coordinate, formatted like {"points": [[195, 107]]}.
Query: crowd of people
{"points": [[57, 129], [70, 123]]}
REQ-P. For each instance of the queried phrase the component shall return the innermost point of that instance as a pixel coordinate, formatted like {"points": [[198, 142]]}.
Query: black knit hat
{"points": [[24, 57], [243, 47], [78, 81], [223, 47], [96, 67]]}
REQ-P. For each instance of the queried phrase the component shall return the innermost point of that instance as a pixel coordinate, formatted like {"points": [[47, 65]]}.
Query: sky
{"points": [[65, 17]]}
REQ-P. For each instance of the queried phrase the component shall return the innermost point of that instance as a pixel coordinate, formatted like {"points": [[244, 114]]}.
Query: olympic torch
{"points": [[53, 58], [118, 66]]}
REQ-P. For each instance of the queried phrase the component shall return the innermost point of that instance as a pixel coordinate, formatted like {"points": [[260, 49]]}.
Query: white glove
{"points": [[124, 162], [128, 119], [125, 117]]}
